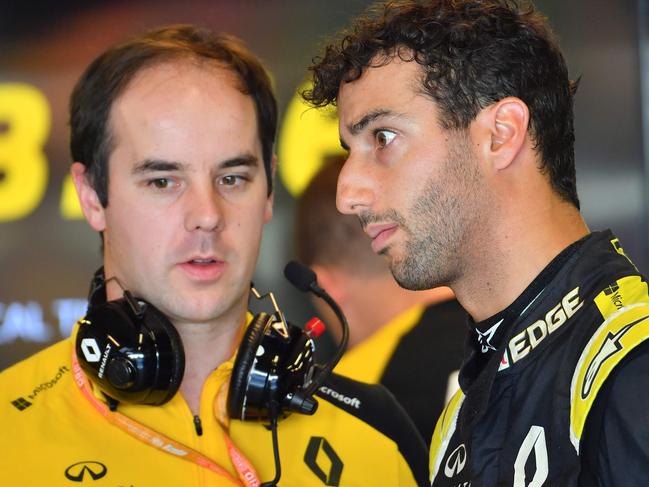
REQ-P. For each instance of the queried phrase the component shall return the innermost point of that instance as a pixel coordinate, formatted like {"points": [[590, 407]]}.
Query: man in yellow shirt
{"points": [[411, 342], [172, 134]]}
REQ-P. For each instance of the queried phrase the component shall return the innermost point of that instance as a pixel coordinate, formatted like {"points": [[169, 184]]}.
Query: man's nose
{"points": [[354, 193], [204, 209]]}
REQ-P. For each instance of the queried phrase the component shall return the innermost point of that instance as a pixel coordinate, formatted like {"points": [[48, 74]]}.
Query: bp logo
{"points": [[318, 453], [81, 471]]}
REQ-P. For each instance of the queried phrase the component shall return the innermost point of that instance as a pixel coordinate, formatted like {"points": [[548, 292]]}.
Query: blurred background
{"points": [[48, 253]]}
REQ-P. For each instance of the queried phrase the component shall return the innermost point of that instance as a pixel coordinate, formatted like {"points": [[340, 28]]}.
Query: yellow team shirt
{"points": [[367, 360], [52, 435]]}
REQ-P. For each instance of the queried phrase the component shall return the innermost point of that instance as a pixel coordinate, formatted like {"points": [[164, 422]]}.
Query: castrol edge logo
{"points": [[527, 340]]}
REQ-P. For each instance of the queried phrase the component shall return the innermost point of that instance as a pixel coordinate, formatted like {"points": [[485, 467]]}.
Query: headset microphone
{"points": [[305, 280], [300, 276], [300, 399], [274, 372]]}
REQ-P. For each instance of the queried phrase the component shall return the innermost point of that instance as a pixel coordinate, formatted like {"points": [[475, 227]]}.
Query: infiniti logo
{"points": [[456, 461], [78, 471]]}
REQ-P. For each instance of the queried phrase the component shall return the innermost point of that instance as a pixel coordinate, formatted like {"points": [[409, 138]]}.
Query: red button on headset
{"points": [[314, 327]]}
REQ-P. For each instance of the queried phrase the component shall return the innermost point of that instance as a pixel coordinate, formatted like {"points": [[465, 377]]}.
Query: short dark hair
{"points": [[325, 237], [110, 73], [473, 54]]}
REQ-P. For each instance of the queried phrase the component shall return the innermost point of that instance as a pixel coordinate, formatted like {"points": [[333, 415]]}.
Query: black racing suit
{"points": [[555, 386]]}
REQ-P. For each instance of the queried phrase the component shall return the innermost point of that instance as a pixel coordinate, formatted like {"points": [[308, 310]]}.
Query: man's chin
{"points": [[194, 318], [191, 304], [396, 268], [194, 311], [409, 276]]}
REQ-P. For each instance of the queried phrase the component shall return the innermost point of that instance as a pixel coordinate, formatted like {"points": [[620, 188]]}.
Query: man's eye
{"points": [[232, 180], [384, 137], [161, 183]]}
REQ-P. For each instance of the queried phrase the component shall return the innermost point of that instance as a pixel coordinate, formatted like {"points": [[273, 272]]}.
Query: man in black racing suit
{"points": [[536, 395], [458, 121]]}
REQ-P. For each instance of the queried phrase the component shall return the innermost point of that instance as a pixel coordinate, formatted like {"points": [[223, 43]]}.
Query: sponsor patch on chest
{"points": [[527, 340]]}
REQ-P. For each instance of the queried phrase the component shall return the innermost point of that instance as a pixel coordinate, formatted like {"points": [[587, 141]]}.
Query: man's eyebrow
{"points": [[357, 127], [152, 165], [242, 160]]}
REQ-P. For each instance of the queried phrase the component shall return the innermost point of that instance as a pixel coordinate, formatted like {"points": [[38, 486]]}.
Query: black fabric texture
{"points": [[418, 370], [612, 428], [378, 408], [479, 370]]}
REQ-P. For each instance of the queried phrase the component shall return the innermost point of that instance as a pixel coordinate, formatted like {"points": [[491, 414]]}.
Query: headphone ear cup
{"points": [[243, 364], [134, 359], [171, 356]]}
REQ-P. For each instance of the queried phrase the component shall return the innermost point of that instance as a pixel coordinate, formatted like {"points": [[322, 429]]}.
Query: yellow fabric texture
{"points": [[367, 361], [60, 428], [444, 429]]}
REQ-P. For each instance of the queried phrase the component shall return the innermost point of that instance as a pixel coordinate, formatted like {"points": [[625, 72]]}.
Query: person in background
{"points": [[457, 116], [411, 342]]}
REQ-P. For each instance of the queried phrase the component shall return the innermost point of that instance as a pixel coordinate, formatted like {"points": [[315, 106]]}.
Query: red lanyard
{"points": [[247, 475]]}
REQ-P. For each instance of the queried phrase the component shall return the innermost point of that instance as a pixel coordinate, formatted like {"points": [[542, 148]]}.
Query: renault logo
{"points": [[82, 470], [320, 449], [90, 350], [456, 461]]}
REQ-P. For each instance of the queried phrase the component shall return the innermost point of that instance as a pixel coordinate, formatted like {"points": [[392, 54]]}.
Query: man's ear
{"points": [[505, 123], [268, 211], [92, 208], [273, 167]]}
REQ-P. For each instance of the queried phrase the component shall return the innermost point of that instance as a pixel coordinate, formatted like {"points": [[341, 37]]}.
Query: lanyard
{"points": [[245, 470]]}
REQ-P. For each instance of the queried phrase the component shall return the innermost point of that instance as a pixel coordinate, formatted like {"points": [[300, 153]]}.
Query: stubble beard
{"points": [[441, 222]]}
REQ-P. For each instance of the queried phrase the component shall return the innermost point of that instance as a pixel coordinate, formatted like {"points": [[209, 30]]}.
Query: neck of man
{"points": [[513, 251], [207, 345]]}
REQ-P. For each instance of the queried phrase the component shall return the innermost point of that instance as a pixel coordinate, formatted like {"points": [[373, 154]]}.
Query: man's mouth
{"points": [[203, 268], [380, 233], [202, 261]]}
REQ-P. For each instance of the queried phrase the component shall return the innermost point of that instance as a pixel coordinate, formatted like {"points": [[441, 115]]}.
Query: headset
{"points": [[135, 355]]}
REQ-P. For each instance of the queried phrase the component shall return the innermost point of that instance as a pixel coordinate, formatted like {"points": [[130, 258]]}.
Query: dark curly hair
{"points": [[473, 54], [109, 74]]}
